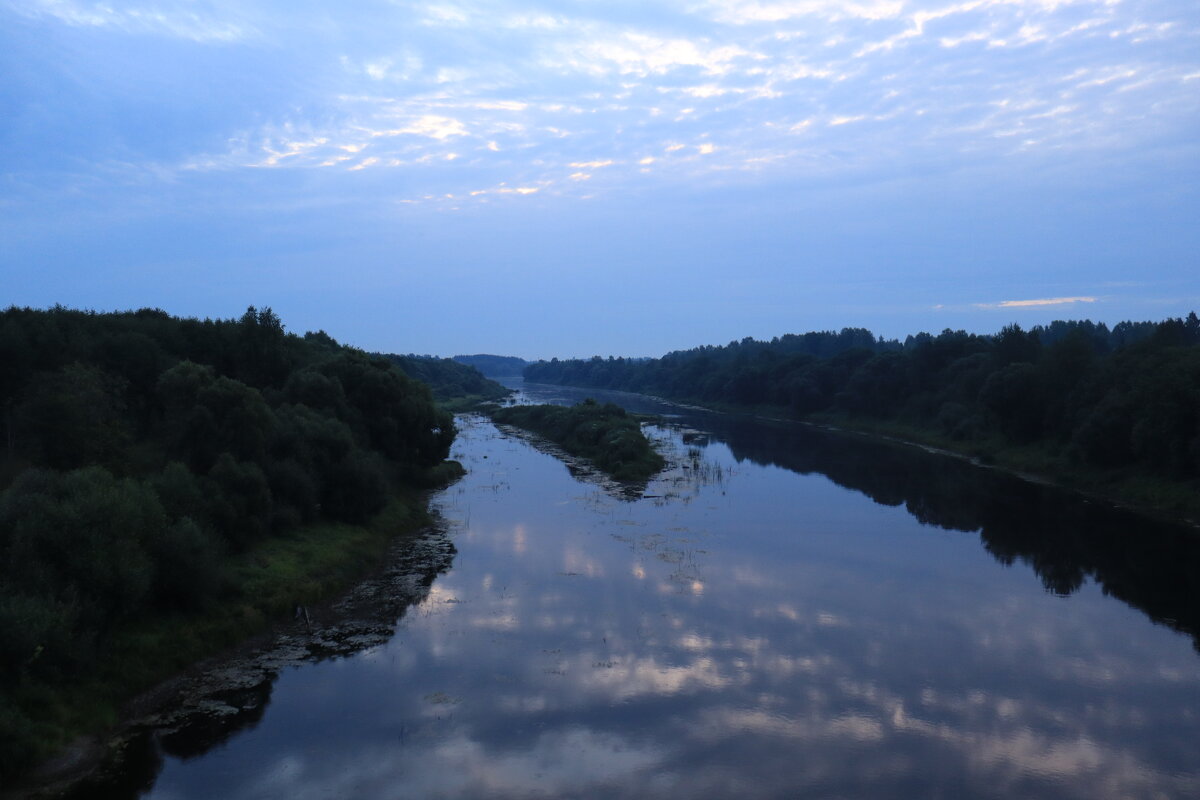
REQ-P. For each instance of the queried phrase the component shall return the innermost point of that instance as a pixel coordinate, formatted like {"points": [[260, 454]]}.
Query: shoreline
{"points": [[368, 555], [1083, 482], [996, 461]]}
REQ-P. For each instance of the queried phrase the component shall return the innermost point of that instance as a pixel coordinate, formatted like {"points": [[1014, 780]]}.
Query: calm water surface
{"points": [[786, 613]]}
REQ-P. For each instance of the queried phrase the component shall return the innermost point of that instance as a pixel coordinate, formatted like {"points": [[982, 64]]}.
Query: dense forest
{"points": [[494, 366], [456, 385], [1070, 394], [603, 433], [141, 454]]}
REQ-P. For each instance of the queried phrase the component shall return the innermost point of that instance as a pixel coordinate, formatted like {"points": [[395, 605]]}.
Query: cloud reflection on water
{"points": [[890, 660]]}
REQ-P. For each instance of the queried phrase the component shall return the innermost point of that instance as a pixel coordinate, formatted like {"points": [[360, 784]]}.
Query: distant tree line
{"points": [[494, 366], [451, 381], [1105, 398], [137, 450]]}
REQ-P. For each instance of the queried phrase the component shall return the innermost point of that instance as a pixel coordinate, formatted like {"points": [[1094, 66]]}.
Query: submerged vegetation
{"points": [[1111, 410], [167, 485], [604, 434]]}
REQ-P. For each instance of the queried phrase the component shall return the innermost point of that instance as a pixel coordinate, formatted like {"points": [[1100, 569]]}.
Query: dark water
{"points": [[789, 613]]}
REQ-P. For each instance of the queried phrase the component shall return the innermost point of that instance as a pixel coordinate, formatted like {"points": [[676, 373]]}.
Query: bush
{"points": [[187, 565], [239, 502], [356, 489], [81, 536]]}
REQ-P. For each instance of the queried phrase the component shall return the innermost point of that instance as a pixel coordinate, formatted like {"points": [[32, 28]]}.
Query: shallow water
{"points": [[785, 613]]}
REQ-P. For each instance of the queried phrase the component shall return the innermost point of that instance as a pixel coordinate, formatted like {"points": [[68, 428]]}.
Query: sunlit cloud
{"points": [[366, 162], [741, 12], [433, 126], [1039, 302], [641, 54]]}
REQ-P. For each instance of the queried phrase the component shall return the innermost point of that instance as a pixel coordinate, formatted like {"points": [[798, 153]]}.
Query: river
{"points": [[783, 613]]}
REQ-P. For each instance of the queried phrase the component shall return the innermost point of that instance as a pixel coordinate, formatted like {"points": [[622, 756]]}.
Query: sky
{"points": [[602, 176]]}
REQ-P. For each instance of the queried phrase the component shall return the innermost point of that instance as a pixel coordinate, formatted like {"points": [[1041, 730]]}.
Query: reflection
{"points": [[1066, 539], [700, 649], [225, 713], [580, 468], [210, 709]]}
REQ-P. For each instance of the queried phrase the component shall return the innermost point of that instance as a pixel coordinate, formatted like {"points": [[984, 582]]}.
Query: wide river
{"points": [[784, 612]]}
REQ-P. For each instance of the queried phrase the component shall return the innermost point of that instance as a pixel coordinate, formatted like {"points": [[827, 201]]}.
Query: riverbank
{"points": [[1174, 501], [1154, 496], [78, 725]]}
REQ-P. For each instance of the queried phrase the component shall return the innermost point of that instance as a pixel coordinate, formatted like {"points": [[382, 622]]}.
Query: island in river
{"points": [[603, 433]]}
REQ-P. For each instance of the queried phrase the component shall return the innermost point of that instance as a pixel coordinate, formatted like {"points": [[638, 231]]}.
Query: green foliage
{"points": [[238, 501], [356, 488], [1125, 399], [81, 537], [142, 455], [494, 366], [604, 434], [450, 379], [188, 568], [69, 417]]}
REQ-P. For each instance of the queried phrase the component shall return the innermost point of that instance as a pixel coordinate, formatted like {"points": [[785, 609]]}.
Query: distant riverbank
{"points": [[1173, 501], [1176, 501]]}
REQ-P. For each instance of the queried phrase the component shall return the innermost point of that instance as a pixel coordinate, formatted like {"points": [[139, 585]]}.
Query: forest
{"points": [[1096, 405], [149, 463], [494, 366], [456, 385]]}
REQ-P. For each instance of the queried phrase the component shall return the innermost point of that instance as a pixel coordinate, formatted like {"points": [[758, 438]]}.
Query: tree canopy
{"points": [[139, 449], [1123, 397]]}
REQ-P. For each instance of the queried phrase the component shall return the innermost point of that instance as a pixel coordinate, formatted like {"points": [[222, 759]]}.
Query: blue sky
{"points": [[572, 178]]}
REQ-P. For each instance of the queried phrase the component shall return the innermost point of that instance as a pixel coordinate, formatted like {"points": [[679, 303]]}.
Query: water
{"points": [[787, 613]]}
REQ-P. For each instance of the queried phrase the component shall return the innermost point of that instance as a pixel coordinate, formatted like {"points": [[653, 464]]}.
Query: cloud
{"points": [[447, 15], [743, 12], [529, 91], [430, 125], [181, 20], [1043, 301], [641, 54]]}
